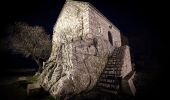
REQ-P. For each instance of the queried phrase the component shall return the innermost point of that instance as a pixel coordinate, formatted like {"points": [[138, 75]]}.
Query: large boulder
{"points": [[78, 57]]}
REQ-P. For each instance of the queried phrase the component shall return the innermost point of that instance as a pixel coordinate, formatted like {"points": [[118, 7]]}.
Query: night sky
{"points": [[140, 21]]}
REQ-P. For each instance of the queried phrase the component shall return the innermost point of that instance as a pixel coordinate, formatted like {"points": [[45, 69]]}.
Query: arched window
{"points": [[110, 37]]}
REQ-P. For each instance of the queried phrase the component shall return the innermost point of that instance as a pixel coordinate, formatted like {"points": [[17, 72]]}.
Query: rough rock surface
{"points": [[78, 56], [33, 89]]}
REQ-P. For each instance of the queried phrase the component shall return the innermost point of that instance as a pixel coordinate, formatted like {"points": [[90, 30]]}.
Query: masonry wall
{"points": [[126, 66], [101, 26], [73, 22]]}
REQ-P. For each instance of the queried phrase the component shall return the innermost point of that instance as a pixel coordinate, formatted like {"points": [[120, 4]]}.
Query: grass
{"points": [[32, 79]]}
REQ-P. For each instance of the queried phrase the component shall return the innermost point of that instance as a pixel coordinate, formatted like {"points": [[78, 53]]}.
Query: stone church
{"points": [[86, 53]]}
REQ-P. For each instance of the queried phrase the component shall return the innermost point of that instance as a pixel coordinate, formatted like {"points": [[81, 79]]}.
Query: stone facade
{"points": [[100, 26], [82, 41]]}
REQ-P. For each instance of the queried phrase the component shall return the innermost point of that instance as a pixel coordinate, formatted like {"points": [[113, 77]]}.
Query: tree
{"points": [[30, 41], [124, 40]]}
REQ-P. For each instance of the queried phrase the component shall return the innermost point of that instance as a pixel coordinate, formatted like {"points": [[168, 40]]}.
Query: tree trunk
{"points": [[37, 60]]}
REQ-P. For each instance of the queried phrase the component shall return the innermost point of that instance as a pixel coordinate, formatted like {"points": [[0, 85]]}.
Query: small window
{"points": [[99, 29], [110, 26], [110, 37]]}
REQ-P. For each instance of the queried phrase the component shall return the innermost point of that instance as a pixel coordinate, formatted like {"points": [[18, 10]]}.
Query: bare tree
{"points": [[29, 41]]}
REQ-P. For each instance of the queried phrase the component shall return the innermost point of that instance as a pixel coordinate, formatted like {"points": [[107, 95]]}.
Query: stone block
{"points": [[33, 89], [127, 84]]}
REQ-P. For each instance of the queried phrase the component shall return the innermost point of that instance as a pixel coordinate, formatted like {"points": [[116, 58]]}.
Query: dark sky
{"points": [[129, 16], [140, 21]]}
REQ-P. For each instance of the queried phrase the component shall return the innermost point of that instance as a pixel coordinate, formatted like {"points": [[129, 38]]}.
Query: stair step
{"points": [[112, 57], [112, 69], [109, 72], [106, 80], [115, 61], [111, 62], [112, 72], [109, 69], [109, 86], [113, 66], [106, 90], [110, 65], [108, 76]]}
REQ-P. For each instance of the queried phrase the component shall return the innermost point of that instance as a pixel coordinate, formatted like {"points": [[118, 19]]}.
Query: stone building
{"points": [[83, 40]]}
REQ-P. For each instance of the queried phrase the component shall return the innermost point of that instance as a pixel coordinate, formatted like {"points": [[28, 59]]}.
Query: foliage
{"points": [[124, 40], [32, 79], [29, 40]]}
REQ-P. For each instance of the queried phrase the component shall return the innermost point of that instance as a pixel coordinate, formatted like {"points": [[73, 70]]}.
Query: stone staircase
{"points": [[109, 80], [115, 71]]}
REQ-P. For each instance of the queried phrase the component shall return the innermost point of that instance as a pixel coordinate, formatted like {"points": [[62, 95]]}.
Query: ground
{"points": [[148, 84]]}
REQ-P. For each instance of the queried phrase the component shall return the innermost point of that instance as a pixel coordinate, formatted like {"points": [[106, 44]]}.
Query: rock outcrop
{"points": [[82, 41]]}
